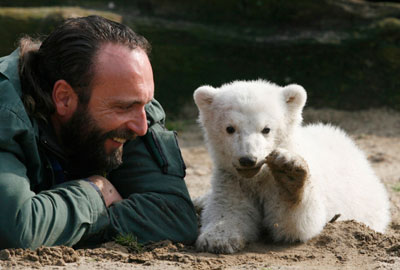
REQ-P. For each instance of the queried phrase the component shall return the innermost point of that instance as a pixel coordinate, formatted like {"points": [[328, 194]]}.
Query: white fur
{"points": [[237, 208]]}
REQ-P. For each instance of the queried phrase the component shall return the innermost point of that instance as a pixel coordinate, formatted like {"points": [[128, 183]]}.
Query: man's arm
{"points": [[105, 189], [59, 216]]}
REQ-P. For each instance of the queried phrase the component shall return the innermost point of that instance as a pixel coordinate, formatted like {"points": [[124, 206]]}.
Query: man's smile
{"points": [[119, 140]]}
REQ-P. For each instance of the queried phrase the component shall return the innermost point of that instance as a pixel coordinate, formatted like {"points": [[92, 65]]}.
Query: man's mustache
{"points": [[121, 133]]}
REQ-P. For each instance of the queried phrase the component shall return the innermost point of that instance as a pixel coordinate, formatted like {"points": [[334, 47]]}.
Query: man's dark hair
{"points": [[68, 53]]}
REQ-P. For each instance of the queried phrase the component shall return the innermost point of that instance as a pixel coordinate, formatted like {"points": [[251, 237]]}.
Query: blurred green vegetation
{"points": [[130, 242], [347, 56], [16, 22], [396, 188]]}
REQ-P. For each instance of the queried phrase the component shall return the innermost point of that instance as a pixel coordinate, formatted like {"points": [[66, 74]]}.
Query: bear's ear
{"points": [[203, 96], [295, 96]]}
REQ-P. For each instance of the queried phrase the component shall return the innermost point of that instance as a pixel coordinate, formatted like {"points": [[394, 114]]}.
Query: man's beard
{"points": [[84, 143]]}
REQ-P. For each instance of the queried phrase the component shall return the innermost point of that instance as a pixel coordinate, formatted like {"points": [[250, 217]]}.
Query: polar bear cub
{"points": [[270, 172]]}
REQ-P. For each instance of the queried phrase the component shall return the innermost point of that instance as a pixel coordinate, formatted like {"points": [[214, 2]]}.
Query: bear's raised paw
{"points": [[291, 172]]}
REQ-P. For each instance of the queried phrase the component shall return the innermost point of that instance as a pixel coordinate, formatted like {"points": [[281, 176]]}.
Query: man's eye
{"points": [[265, 130], [124, 107], [230, 129]]}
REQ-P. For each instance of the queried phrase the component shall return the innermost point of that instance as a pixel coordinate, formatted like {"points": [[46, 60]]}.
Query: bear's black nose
{"points": [[248, 161]]}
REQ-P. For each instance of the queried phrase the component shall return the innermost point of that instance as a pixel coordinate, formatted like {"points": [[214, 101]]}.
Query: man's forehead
{"points": [[121, 62], [113, 57], [123, 80], [110, 51]]}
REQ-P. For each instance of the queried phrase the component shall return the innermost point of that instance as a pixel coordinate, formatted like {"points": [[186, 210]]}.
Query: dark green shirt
{"points": [[36, 211]]}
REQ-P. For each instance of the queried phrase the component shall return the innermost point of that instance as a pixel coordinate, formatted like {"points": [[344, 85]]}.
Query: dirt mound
{"points": [[57, 256], [341, 244], [347, 240]]}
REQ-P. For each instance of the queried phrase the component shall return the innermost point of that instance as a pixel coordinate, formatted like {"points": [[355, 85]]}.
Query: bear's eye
{"points": [[265, 130], [230, 129]]}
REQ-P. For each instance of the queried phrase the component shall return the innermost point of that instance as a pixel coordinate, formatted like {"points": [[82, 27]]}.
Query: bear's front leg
{"points": [[290, 172], [228, 221], [223, 236]]}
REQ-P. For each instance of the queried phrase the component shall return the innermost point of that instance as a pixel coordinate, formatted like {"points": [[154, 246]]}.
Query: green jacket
{"points": [[35, 211]]}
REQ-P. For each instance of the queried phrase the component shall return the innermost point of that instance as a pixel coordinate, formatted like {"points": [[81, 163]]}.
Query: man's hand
{"points": [[110, 193]]}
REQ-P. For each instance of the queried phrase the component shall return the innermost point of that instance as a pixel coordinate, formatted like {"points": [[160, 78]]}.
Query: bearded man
{"points": [[84, 154]]}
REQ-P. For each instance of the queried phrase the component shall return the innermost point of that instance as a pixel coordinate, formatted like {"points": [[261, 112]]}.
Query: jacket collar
{"points": [[48, 140], [9, 69]]}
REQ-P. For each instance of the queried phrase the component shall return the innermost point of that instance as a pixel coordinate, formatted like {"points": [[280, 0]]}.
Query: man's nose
{"points": [[138, 123]]}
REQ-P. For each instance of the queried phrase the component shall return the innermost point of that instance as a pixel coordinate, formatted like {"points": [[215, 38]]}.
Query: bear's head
{"points": [[244, 121]]}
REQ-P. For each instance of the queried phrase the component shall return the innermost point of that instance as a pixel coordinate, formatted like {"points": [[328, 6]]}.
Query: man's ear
{"points": [[65, 99], [203, 96]]}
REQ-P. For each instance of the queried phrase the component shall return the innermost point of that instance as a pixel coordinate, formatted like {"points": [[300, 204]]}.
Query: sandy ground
{"points": [[342, 245]]}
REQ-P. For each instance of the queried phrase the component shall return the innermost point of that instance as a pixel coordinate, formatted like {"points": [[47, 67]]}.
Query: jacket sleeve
{"points": [[157, 205], [58, 216]]}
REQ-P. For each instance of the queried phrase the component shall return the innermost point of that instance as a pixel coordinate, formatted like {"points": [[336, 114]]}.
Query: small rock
{"points": [[60, 262], [5, 254], [32, 257], [377, 158]]}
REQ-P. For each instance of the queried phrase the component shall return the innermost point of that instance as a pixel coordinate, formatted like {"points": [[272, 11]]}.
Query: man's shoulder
{"points": [[11, 105], [155, 113], [160, 142], [163, 143], [9, 69]]}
